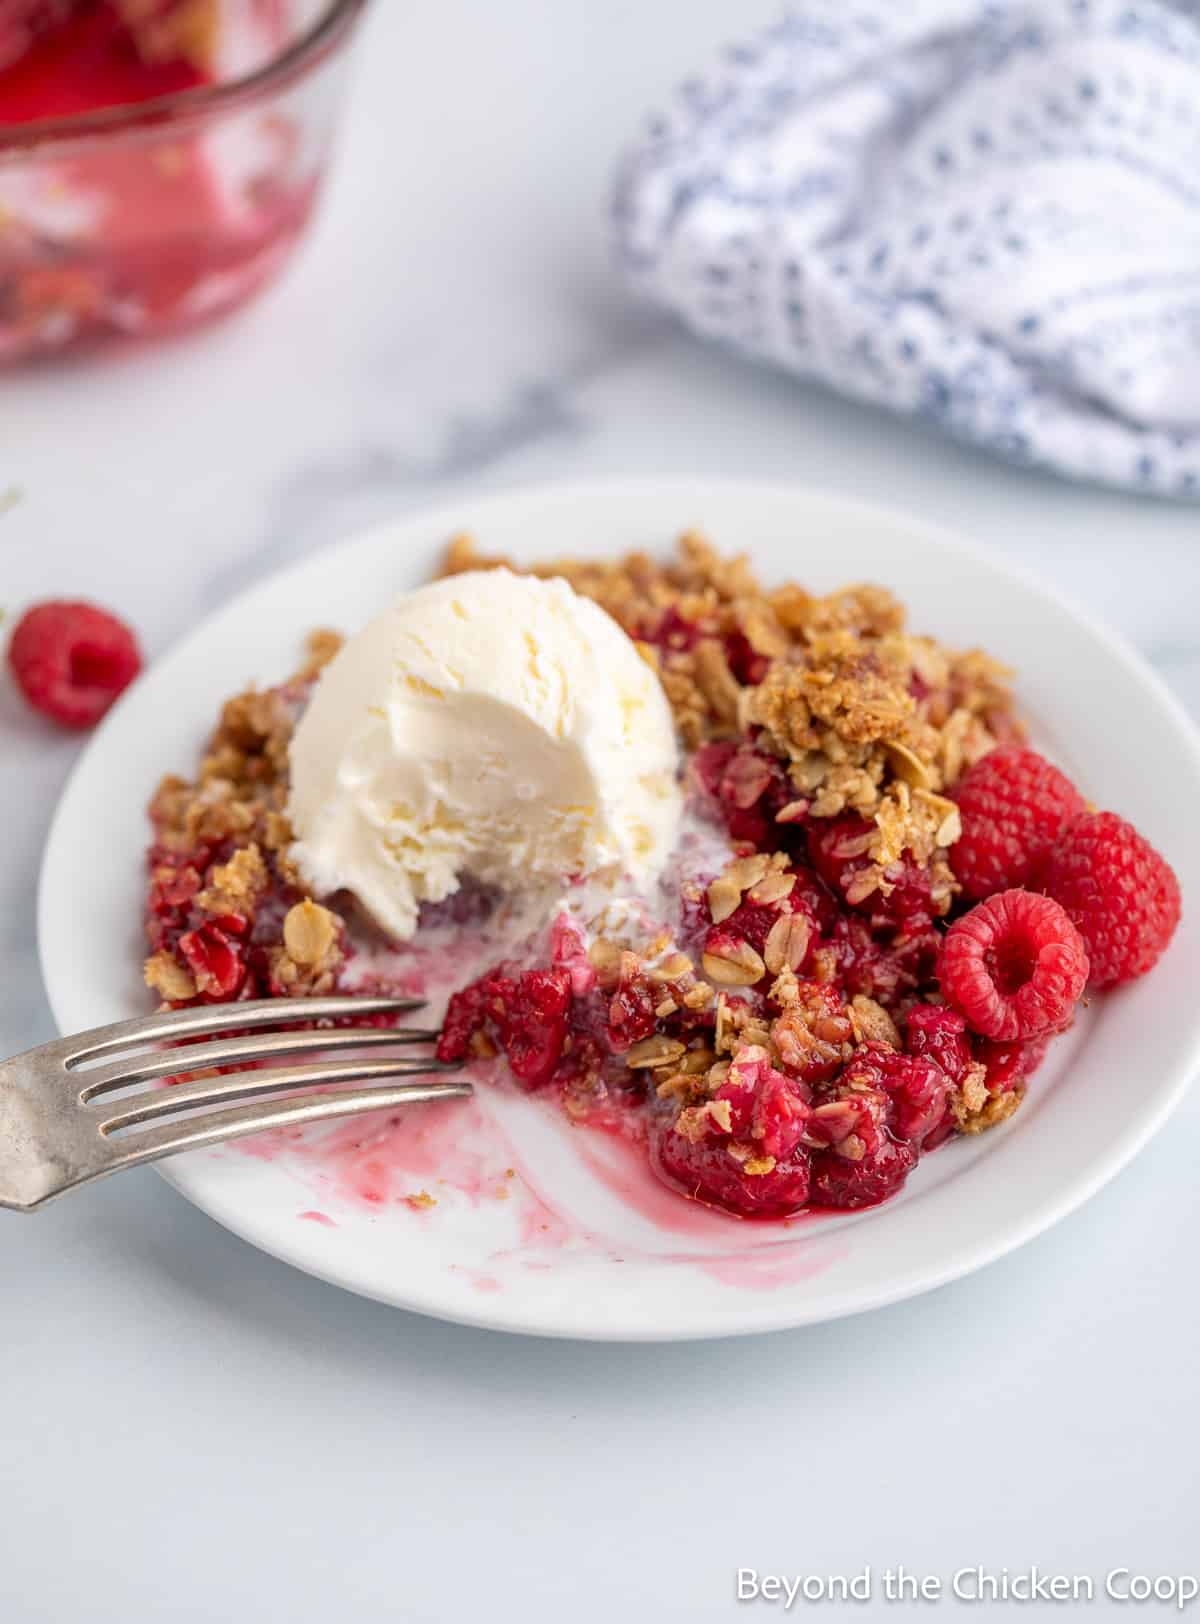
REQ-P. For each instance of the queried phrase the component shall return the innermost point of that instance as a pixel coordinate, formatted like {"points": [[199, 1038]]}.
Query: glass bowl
{"points": [[142, 220]]}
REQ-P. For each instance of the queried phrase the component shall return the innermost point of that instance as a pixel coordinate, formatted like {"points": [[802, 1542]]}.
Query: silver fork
{"points": [[60, 1128]]}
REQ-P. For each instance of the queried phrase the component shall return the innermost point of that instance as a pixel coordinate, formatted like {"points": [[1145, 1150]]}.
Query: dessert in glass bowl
{"points": [[764, 882], [159, 159]]}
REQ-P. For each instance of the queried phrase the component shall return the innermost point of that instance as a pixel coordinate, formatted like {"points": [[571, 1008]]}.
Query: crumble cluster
{"points": [[787, 1002], [865, 716], [226, 914]]}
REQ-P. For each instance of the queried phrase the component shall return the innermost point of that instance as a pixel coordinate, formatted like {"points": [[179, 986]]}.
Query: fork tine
{"points": [[182, 1023], [143, 1068], [240, 1120], [134, 1108]]}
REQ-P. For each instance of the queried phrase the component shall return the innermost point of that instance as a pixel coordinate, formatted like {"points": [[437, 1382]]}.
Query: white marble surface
{"points": [[225, 1438]]}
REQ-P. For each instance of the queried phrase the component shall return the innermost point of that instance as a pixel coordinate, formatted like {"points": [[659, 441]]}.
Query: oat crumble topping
{"points": [[867, 716]]}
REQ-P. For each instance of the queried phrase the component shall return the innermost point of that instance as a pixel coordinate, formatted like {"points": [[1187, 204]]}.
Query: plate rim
{"points": [[770, 1313]]}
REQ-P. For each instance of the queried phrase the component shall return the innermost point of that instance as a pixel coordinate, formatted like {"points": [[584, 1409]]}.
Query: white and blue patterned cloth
{"points": [[985, 215]]}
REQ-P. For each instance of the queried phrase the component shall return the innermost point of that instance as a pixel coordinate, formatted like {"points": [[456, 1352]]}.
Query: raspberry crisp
{"points": [[884, 908]]}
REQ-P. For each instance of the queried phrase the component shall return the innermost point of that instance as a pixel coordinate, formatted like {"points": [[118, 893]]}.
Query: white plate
{"points": [[566, 1254]]}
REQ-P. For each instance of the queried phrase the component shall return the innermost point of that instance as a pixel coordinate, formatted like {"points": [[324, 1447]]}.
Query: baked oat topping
{"points": [[867, 717], [310, 934], [167, 977], [976, 1110]]}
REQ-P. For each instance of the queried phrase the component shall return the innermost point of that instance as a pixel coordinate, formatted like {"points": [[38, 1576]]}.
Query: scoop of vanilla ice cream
{"points": [[490, 725]]}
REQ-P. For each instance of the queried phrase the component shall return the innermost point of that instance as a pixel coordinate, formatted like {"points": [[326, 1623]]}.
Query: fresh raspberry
{"points": [[71, 660], [1014, 805], [1014, 966], [1121, 894]]}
